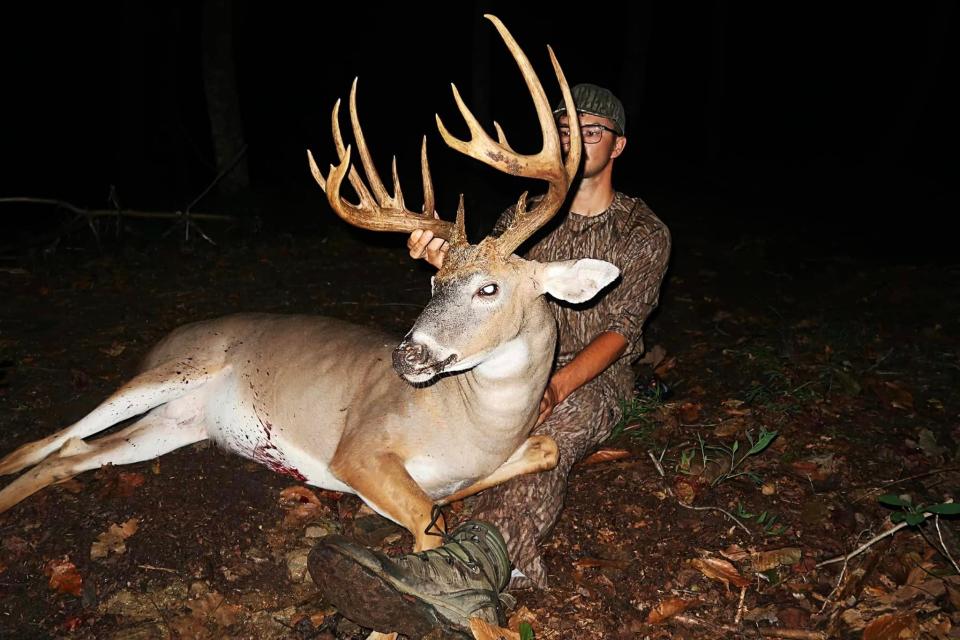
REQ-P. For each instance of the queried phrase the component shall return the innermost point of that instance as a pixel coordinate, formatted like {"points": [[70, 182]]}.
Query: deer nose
{"points": [[408, 355]]}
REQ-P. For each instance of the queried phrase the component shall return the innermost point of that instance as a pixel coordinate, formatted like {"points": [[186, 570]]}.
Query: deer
{"points": [[442, 415]]}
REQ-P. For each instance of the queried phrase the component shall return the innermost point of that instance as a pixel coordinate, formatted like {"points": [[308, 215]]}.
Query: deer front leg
{"points": [[382, 481], [537, 453]]}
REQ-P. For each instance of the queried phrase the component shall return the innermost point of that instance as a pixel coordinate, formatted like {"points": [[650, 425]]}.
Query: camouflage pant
{"points": [[526, 508]]}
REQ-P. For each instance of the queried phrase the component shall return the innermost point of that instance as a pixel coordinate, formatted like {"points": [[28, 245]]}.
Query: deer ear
{"points": [[576, 280]]}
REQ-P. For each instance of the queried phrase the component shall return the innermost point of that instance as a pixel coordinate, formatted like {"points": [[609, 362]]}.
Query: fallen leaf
{"points": [[891, 627], [893, 394], [298, 494], [654, 356], [115, 349], [71, 485], [685, 488], [722, 570], [734, 407], [522, 614], [689, 412], [213, 606], [817, 468], [116, 483], [113, 540], [63, 576], [483, 630], [669, 608], [735, 553], [603, 563], [665, 367], [605, 455], [303, 506], [766, 560]]}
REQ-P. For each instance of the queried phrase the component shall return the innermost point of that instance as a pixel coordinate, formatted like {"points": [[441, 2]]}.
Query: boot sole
{"points": [[370, 601]]}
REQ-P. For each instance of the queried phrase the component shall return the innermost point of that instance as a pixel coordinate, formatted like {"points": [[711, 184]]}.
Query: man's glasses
{"points": [[591, 133]]}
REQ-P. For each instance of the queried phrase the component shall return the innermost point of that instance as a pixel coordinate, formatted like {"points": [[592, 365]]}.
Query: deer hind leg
{"points": [[159, 385], [382, 481], [537, 453], [157, 433]]}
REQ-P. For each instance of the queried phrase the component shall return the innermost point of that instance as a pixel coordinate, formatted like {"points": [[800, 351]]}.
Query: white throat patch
{"points": [[509, 359]]}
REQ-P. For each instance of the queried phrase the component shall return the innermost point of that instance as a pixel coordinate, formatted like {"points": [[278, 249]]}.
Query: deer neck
{"points": [[503, 393]]}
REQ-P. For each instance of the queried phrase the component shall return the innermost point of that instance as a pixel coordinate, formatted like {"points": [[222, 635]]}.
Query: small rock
{"points": [[297, 565]]}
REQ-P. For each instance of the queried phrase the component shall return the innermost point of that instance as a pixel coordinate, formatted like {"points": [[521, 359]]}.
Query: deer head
{"points": [[484, 297]]}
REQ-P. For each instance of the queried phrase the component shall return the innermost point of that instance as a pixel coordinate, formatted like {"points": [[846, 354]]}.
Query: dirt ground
{"points": [[672, 533]]}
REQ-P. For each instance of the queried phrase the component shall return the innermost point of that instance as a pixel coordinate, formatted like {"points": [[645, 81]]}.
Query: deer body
{"points": [[321, 400], [283, 396]]}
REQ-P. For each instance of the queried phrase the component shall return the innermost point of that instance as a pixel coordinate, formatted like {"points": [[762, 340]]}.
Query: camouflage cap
{"points": [[596, 101]]}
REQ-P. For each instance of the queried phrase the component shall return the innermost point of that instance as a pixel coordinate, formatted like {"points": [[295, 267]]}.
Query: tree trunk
{"points": [[223, 104]]}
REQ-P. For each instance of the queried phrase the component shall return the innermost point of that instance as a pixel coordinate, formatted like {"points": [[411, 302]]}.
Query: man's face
{"points": [[597, 156]]}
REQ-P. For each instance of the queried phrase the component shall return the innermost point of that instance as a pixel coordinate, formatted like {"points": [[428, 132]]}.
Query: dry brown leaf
{"points": [[766, 560], [603, 563], [212, 606], [113, 539], [686, 488], [689, 412], [734, 407], [722, 570], [121, 484], [654, 356], [115, 349], [735, 553], [522, 614], [665, 367], [891, 627], [485, 631], [895, 395], [71, 485], [298, 494], [63, 576], [669, 608], [605, 455], [303, 506]]}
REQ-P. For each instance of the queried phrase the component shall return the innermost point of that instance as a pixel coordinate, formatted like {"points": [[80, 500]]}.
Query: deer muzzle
{"points": [[415, 362]]}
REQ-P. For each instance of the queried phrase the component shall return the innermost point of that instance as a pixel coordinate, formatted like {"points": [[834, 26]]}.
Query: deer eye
{"points": [[488, 290]]}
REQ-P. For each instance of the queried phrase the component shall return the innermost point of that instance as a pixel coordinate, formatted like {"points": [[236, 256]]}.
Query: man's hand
{"points": [[422, 244], [551, 398]]}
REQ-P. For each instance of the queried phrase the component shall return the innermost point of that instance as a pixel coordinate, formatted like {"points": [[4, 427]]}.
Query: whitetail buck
{"points": [[318, 399]]}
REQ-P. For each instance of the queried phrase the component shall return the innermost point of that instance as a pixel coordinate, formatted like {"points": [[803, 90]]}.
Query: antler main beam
{"points": [[380, 211]]}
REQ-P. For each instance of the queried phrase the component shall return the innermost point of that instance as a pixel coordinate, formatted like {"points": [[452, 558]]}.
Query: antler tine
{"points": [[561, 174], [547, 165], [428, 199], [502, 137], [385, 213], [376, 184]]}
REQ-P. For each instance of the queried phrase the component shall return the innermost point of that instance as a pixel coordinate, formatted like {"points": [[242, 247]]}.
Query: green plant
{"points": [[914, 514], [763, 441], [526, 631], [766, 520], [634, 422]]}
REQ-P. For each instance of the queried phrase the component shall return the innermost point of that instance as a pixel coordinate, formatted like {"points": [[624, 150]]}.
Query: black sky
{"points": [[826, 114]]}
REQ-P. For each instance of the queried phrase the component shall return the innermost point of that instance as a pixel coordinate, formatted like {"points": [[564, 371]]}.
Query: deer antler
{"points": [[379, 211], [547, 165]]}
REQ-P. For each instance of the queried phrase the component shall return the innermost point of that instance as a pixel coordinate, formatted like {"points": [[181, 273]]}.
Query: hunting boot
{"points": [[420, 592]]}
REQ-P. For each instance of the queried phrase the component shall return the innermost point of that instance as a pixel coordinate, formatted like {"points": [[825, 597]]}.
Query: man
{"points": [[579, 408]]}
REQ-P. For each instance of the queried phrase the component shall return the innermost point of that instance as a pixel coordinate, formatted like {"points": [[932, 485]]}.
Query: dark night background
{"points": [[835, 122]]}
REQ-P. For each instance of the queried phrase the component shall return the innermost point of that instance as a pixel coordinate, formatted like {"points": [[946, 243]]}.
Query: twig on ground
{"points": [[740, 608], [866, 545], [659, 468], [946, 552], [727, 629]]}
